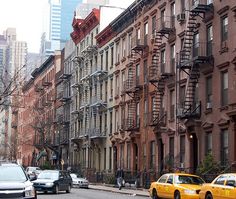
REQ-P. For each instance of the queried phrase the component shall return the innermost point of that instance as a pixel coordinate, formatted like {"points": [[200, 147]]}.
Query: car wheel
{"points": [[56, 189], [154, 194], [177, 195], [208, 196], [68, 189]]}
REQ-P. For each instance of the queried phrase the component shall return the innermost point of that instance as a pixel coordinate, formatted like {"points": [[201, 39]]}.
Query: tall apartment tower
{"points": [[58, 26], [13, 55]]}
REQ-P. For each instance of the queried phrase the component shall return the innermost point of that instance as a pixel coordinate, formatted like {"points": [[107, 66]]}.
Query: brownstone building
{"points": [[36, 140], [168, 57]]}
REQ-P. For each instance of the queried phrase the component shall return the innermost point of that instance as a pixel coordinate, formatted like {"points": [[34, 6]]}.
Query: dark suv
{"points": [[53, 180], [14, 182]]}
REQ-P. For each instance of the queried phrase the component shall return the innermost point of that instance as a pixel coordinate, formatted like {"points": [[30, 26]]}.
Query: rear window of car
{"points": [[49, 175], [12, 174]]}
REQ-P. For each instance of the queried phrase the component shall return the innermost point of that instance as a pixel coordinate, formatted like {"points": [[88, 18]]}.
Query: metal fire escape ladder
{"points": [[186, 65], [157, 80]]}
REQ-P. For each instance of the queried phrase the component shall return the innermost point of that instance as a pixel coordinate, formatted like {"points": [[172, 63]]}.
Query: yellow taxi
{"points": [[176, 185], [222, 187]]}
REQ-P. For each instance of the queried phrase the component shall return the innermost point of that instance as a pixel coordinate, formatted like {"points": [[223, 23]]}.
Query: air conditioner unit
{"points": [[209, 105], [181, 17]]}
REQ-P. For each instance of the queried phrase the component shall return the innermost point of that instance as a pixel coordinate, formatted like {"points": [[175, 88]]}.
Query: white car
{"points": [[79, 182], [33, 171]]}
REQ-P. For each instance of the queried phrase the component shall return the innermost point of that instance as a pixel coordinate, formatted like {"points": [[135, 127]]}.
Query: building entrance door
{"points": [[193, 151], [160, 156]]}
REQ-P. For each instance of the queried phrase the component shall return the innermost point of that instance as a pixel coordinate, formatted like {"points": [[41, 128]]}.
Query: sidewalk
{"points": [[124, 190]]}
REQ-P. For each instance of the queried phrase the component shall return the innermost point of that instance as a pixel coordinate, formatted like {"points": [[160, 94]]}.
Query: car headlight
{"points": [[49, 184], [188, 191], [29, 191]]}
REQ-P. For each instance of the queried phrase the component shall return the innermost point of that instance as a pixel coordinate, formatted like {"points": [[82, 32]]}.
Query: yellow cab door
{"points": [[161, 186], [229, 190], [217, 187], [169, 187]]}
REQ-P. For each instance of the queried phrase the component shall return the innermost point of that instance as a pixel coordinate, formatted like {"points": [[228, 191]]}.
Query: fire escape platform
{"points": [[202, 8], [196, 60]]}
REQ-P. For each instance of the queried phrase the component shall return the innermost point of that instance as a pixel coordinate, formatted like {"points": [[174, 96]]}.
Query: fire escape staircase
{"points": [[132, 122], [157, 79], [187, 63]]}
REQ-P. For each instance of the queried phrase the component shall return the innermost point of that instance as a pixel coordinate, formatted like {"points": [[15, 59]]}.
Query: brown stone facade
{"points": [[36, 116]]}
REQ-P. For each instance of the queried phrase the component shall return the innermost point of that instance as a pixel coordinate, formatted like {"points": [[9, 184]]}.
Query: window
{"points": [[145, 33], [172, 68], [182, 5], [105, 158], [138, 36], [145, 112], [209, 92], [128, 156], [163, 19], [117, 85], [208, 143], [117, 52], [172, 10], [122, 155], [196, 45], [182, 148], [101, 91], [224, 138], [154, 24], [137, 115], [172, 105], [152, 154], [111, 121], [163, 61], [224, 88], [129, 43], [107, 60], [171, 151], [101, 56], [220, 180], [106, 91], [111, 88], [123, 47], [137, 74], [145, 71], [112, 56], [170, 179], [105, 124], [209, 40], [110, 157], [231, 181], [144, 155], [116, 120], [224, 28], [163, 179]]}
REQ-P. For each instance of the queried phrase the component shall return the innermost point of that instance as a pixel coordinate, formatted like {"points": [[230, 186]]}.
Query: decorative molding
{"points": [[145, 18], [223, 10], [207, 126], [162, 5], [223, 122], [153, 12], [130, 30], [223, 65]]}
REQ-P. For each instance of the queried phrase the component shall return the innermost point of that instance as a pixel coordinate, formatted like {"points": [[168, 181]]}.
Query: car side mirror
{"points": [[32, 178]]}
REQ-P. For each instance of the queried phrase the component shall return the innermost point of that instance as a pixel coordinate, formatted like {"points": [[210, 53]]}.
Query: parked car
{"points": [[53, 180], [79, 182], [176, 185], [14, 182], [222, 187], [33, 171]]}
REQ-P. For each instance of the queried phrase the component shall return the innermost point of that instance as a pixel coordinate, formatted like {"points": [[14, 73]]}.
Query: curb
{"points": [[118, 191]]}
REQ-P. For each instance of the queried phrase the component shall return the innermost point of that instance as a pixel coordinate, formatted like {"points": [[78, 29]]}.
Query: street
{"points": [[87, 194]]}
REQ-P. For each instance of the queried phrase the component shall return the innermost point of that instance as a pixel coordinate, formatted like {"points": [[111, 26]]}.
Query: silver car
{"points": [[79, 182]]}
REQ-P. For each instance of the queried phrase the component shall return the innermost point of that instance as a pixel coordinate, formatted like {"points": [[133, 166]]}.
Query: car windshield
{"points": [[48, 175], [73, 175], [33, 168], [12, 174], [184, 179]]}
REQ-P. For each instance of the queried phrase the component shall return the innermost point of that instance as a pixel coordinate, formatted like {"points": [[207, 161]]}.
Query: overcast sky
{"points": [[26, 16]]}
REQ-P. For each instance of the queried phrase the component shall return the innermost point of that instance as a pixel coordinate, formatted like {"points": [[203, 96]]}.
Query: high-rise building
{"points": [[13, 56], [58, 26]]}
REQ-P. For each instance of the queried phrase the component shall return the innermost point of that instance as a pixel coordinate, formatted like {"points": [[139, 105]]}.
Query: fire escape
{"points": [[191, 56], [97, 104], [133, 85], [158, 71]]}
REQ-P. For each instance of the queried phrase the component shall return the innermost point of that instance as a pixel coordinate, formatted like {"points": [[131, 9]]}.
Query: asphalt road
{"points": [[87, 194]]}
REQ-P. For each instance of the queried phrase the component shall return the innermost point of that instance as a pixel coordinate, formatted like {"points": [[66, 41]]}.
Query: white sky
{"points": [[27, 16]]}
